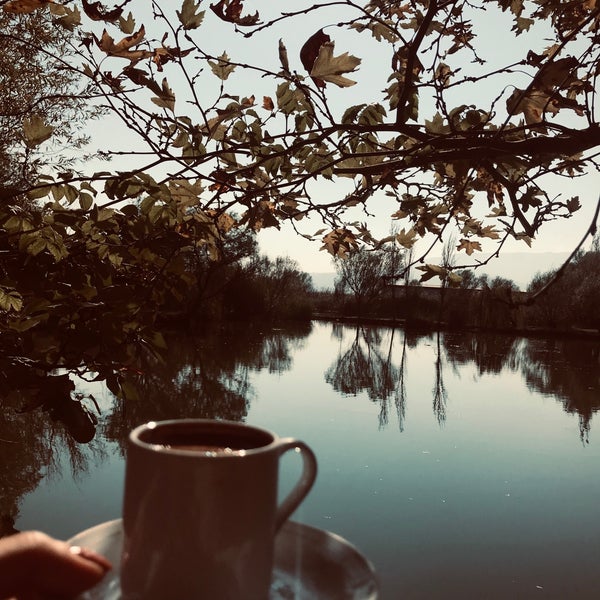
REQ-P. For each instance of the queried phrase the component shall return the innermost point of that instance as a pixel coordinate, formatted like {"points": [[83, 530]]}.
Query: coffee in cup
{"points": [[200, 509]]}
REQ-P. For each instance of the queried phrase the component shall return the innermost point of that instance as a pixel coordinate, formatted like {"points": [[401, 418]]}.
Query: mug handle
{"points": [[309, 474]]}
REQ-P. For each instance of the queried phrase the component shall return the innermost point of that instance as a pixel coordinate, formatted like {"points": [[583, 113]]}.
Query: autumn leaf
{"points": [[330, 68], [283, 57], [24, 6], [468, 246], [223, 68], [231, 11], [127, 25], [189, 17], [166, 99], [533, 104], [339, 242], [431, 271], [69, 19], [268, 103], [161, 56], [10, 300], [573, 204], [36, 131], [122, 49], [310, 51], [407, 239], [97, 12], [556, 74]]}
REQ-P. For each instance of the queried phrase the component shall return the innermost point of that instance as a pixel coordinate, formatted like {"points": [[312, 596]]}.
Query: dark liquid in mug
{"points": [[213, 440]]}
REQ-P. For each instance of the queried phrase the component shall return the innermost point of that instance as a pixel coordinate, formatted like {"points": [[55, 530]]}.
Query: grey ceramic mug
{"points": [[200, 509]]}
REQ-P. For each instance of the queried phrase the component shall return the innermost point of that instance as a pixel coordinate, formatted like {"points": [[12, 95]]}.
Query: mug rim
{"points": [[190, 424]]}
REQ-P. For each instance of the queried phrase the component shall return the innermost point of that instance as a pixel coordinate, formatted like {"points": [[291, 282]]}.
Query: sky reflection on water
{"points": [[463, 467]]}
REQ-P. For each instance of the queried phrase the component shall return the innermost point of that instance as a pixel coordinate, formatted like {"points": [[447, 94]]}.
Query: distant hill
{"points": [[520, 267]]}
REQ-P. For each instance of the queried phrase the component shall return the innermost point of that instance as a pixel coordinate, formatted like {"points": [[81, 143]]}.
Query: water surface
{"points": [[462, 466]]}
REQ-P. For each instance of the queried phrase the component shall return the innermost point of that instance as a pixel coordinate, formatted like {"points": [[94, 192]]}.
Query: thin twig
{"points": [[591, 231]]}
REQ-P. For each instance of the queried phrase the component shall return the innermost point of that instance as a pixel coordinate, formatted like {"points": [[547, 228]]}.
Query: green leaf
{"points": [[189, 17]]}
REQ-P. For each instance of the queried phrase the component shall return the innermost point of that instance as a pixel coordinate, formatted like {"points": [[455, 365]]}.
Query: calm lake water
{"points": [[462, 466]]}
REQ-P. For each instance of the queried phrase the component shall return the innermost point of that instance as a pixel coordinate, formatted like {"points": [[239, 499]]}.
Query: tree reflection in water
{"points": [[564, 368], [365, 366], [203, 376], [569, 370], [33, 446], [373, 364], [440, 395], [210, 375]]}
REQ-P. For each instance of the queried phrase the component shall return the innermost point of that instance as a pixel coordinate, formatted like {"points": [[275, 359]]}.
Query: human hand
{"points": [[34, 566]]}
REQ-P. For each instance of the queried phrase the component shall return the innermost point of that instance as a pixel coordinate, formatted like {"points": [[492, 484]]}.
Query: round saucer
{"points": [[310, 564]]}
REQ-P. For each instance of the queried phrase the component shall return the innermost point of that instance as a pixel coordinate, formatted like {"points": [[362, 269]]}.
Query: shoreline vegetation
{"points": [[564, 302], [434, 326]]}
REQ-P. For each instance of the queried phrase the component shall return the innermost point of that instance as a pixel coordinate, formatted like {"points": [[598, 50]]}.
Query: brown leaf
{"points": [[468, 246], [268, 103], [231, 11], [122, 49], [310, 51], [97, 12], [24, 6], [556, 74], [328, 67], [165, 54]]}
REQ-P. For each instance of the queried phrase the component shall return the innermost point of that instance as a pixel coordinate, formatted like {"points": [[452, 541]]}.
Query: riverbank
{"points": [[423, 324]]}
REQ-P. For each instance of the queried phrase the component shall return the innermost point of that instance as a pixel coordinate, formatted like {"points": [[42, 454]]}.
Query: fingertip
{"points": [[91, 556]]}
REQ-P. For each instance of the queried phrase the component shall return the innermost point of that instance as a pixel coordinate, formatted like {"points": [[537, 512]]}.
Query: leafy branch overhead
{"points": [[240, 117]]}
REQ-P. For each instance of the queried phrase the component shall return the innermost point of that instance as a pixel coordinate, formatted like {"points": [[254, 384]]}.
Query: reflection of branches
{"points": [[490, 352], [567, 369], [400, 396], [440, 396], [206, 376], [364, 368]]}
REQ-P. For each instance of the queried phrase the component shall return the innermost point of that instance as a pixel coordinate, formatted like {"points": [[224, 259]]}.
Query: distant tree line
{"points": [[369, 284]]}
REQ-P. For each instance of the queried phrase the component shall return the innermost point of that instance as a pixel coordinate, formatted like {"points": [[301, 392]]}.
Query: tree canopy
{"points": [[441, 114]]}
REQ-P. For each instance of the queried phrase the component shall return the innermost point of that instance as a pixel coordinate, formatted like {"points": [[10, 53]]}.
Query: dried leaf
{"points": [[231, 11], [189, 16], [97, 11], [122, 49], [468, 246], [283, 57], [268, 103], [166, 99], [24, 6], [223, 68], [127, 26], [330, 68], [310, 51]]}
